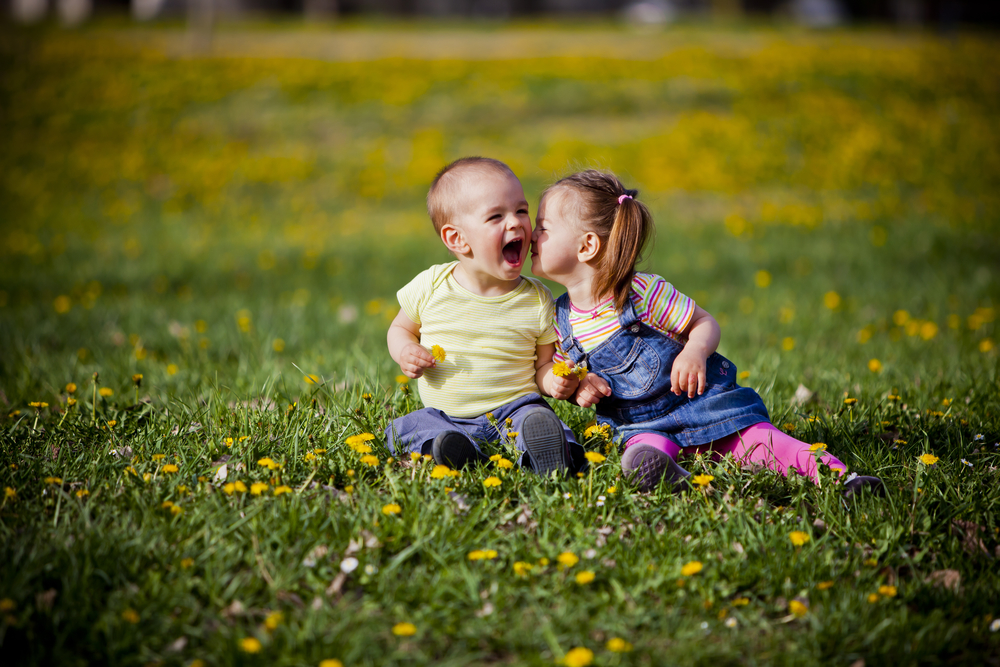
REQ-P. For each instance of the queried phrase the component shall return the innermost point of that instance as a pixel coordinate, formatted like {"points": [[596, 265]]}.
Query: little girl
{"points": [[653, 371]]}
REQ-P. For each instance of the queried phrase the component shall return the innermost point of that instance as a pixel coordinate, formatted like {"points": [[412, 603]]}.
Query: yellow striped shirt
{"points": [[489, 342]]}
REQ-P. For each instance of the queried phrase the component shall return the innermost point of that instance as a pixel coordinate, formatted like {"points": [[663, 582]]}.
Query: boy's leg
{"points": [[431, 431], [651, 457], [545, 442]]}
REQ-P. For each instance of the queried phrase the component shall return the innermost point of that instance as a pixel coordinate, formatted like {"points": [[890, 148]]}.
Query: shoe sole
{"points": [[545, 442], [455, 450], [646, 466]]}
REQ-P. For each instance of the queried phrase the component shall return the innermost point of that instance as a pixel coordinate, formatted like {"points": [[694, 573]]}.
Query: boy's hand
{"points": [[562, 388], [688, 373], [591, 390], [413, 359]]}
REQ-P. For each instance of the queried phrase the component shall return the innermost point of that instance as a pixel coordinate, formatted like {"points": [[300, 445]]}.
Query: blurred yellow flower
{"points": [[618, 645], [440, 472], [278, 490], [130, 616], [273, 620], [331, 662], [71, 388], [694, 567], [38, 404], [584, 577], [404, 629], [798, 537], [53, 480], [258, 488], [578, 657], [278, 345], [105, 391], [702, 480], [887, 591], [850, 401], [187, 563], [521, 568], [370, 460], [567, 559], [788, 344], [594, 457], [831, 300], [823, 585], [170, 468], [391, 508], [875, 366], [482, 554], [250, 645], [268, 463], [762, 278], [873, 598], [491, 482], [928, 459], [798, 608], [817, 447]]}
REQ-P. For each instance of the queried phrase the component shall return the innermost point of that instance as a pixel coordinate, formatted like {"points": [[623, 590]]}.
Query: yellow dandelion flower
{"points": [[309, 457], [146, 476], [873, 598], [273, 620], [491, 482], [130, 616], [311, 379], [349, 489], [82, 493], [70, 402], [887, 591], [612, 490], [567, 559], [331, 662], [561, 369], [578, 657], [7, 605], [850, 401], [798, 608], [415, 456], [106, 392], [440, 472], [159, 457], [741, 602], [831, 300], [39, 404], [787, 343], [618, 645], [824, 585], [762, 278], [694, 567], [137, 379], [53, 480], [584, 577], [370, 460], [228, 489], [278, 490], [521, 568], [798, 538], [595, 457], [872, 562], [928, 459], [437, 352], [402, 379], [250, 645], [817, 447], [170, 468], [268, 463], [362, 449], [258, 488], [875, 366], [9, 493], [359, 438], [71, 388], [176, 509], [172, 369], [391, 508], [702, 480], [240, 486], [404, 629], [187, 563]]}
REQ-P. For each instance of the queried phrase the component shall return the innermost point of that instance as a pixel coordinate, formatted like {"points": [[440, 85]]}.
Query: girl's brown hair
{"points": [[623, 223]]}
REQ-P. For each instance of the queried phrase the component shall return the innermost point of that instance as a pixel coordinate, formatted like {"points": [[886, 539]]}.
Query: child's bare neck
{"points": [[483, 284], [581, 294]]}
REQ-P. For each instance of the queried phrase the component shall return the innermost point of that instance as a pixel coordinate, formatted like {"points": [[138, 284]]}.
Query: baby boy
{"points": [[477, 334]]}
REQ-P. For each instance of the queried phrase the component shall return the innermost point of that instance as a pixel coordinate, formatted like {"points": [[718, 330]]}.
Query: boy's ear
{"points": [[589, 247], [454, 240]]}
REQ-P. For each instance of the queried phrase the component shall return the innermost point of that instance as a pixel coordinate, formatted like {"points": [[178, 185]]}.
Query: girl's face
{"points": [[556, 239]]}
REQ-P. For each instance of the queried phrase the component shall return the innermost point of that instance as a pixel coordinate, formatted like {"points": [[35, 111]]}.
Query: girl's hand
{"points": [[591, 390], [414, 358], [688, 373]]}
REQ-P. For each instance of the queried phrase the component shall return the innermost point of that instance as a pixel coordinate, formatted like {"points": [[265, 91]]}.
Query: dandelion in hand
{"points": [[437, 352]]}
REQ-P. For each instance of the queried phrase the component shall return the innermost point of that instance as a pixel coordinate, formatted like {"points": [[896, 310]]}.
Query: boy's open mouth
{"points": [[512, 252]]}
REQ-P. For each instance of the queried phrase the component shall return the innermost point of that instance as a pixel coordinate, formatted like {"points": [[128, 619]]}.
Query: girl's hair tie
{"points": [[623, 198]]}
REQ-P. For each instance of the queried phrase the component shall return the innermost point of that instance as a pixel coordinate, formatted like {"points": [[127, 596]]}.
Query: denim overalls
{"points": [[636, 362]]}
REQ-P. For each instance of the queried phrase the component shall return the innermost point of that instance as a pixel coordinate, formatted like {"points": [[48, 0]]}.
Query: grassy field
{"points": [[200, 253]]}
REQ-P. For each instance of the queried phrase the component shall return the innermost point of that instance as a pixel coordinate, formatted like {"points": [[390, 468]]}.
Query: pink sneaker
{"points": [[646, 466]]}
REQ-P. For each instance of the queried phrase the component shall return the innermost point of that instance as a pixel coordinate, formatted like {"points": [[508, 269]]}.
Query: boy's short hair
{"points": [[443, 194]]}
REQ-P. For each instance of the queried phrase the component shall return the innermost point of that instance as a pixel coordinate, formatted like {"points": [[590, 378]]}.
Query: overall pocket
{"points": [[635, 374]]}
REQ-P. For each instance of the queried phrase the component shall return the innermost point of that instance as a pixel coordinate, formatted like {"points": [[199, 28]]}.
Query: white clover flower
{"points": [[370, 569], [731, 622], [995, 625], [349, 564]]}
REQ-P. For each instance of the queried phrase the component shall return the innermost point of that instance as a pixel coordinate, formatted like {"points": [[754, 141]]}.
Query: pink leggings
{"points": [[758, 444]]}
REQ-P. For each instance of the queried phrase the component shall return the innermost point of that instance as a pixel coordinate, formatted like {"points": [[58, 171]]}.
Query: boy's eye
{"points": [[522, 211]]}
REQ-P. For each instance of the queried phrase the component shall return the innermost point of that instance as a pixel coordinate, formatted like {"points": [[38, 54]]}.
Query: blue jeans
{"points": [[416, 431]]}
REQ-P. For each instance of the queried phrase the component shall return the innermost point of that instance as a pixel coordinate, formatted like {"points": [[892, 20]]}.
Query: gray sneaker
{"points": [[646, 466], [855, 483], [545, 441], [455, 450]]}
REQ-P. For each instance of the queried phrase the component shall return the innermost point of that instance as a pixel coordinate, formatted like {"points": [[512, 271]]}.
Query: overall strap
{"points": [[627, 317], [570, 345]]}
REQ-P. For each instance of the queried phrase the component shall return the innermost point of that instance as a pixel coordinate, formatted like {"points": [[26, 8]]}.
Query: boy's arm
{"points": [[550, 384], [688, 372], [405, 348]]}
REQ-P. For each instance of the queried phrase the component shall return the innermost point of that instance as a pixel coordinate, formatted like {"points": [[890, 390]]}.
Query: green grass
{"points": [[229, 227]]}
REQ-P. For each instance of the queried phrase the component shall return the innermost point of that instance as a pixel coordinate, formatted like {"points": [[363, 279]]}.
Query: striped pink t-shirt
{"points": [[657, 303]]}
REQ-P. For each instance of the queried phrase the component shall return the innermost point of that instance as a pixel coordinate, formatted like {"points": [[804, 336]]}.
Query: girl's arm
{"points": [[549, 384], [688, 372], [405, 349]]}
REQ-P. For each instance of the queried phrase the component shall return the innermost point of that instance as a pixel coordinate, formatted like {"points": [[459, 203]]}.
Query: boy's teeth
{"points": [[512, 252]]}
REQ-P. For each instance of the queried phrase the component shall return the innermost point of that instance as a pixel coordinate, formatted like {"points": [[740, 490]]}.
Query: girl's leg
{"points": [[766, 445], [650, 458]]}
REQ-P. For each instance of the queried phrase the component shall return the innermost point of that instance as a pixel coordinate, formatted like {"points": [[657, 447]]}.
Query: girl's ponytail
{"points": [[623, 224]]}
